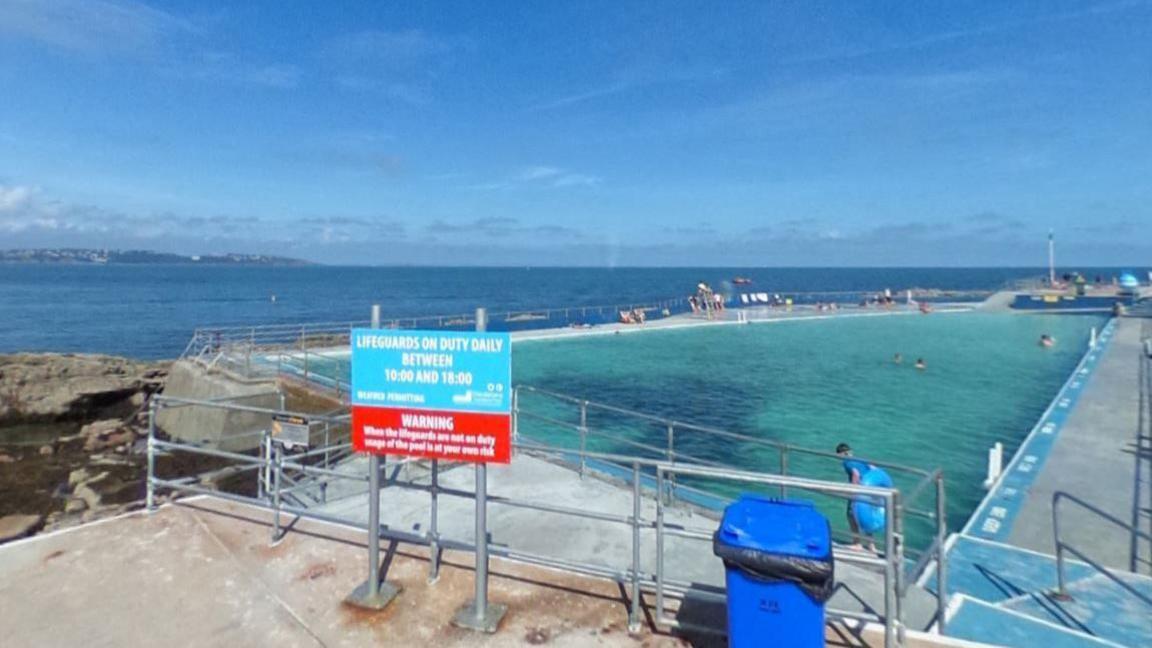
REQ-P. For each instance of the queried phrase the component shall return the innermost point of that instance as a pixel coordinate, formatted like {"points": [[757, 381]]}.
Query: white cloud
{"points": [[15, 198], [394, 50], [89, 25], [227, 67], [538, 172], [575, 180], [539, 176], [551, 176]]}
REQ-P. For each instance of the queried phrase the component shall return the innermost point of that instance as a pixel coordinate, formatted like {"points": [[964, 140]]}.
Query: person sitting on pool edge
{"points": [[855, 469]]}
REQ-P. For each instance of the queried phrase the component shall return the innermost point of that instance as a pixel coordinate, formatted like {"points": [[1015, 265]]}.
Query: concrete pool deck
{"points": [[741, 315], [1095, 459], [201, 573], [1091, 443]]}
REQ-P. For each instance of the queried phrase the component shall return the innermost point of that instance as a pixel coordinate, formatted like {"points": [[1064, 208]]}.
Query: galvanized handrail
{"points": [[1062, 546], [272, 464], [925, 478]]}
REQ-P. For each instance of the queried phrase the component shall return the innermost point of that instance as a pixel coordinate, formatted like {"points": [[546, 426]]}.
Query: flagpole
{"points": [[1051, 260]]}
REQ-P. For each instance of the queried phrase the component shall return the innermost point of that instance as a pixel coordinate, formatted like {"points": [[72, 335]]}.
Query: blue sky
{"points": [[589, 133]]}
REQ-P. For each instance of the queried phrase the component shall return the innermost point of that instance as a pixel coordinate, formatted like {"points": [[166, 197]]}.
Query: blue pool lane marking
{"points": [[995, 516]]}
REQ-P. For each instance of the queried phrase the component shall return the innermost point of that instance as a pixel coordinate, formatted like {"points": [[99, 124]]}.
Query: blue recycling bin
{"points": [[780, 572]]}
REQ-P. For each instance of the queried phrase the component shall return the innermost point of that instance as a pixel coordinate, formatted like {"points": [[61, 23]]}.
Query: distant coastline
{"points": [[86, 256]]}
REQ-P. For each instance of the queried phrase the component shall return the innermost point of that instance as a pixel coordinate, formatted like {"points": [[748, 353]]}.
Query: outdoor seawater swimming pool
{"points": [[813, 384]]}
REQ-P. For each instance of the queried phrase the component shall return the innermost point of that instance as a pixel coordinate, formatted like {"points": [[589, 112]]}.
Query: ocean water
{"points": [[149, 311], [814, 384]]}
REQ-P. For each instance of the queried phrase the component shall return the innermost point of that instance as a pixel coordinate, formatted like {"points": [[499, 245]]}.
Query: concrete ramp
{"points": [[218, 428]]}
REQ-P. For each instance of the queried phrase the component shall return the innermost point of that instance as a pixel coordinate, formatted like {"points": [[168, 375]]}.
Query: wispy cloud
{"points": [[946, 37], [93, 26], [174, 45], [28, 212], [388, 49], [229, 68], [399, 65], [629, 81], [501, 227], [587, 95], [540, 176]]}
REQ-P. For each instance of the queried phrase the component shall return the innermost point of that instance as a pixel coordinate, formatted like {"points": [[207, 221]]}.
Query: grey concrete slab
{"points": [[201, 573], [602, 544], [1094, 458]]}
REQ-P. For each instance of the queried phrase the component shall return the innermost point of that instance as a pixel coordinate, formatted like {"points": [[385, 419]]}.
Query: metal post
{"points": [[897, 560], [278, 459], [304, 346], [433, 526], [1061, 589], [634, 609], [671, 459], [515, 416], [376, 324], [262, 473], [327, 457], [267, 469], [372, 594], [889, 576], [583, 437], [150, 502], [783, 469], [941, 558], [479, 615], [659, 544]]}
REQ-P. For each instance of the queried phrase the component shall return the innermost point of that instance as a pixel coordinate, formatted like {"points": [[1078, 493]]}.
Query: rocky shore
{"points": [[72, 438]]}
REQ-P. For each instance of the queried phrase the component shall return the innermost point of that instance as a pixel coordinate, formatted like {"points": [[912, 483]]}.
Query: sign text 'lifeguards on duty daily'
{"points": [[437, 394]]}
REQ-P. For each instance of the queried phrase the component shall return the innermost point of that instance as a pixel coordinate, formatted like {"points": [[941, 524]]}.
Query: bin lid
{"points": [[781, 527]]}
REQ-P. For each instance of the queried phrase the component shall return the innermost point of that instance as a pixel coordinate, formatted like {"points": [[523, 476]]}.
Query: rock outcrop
{"points": [[13, 527], [52, 387]]}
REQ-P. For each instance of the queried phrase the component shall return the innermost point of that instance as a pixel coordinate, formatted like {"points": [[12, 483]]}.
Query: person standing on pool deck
{"points": [[855, 469]]}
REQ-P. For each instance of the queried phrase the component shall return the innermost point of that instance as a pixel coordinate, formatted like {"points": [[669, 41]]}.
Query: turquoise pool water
{"points": [[813, 384], [817, 383]]}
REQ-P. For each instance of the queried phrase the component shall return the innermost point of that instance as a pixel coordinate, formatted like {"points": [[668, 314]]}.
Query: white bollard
{"points": [[995, 464]]}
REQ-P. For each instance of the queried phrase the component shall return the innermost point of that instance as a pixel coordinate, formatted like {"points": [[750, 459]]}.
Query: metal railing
{"points": [[1062, 546], [678, 432], [925, 483], [242, 349], [237, 347], [294, 484]]}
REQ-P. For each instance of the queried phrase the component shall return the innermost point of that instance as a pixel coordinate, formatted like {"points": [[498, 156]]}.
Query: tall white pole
{"points": [[1051, 260]]}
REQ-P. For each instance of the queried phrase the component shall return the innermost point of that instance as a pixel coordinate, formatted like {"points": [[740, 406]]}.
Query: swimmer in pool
{"points": [[898, 359], [855, 469], [1047, 340], [920, 364]]}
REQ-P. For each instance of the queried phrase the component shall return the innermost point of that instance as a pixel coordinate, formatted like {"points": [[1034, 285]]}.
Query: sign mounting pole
{"points": [[479, 615], [442, 395], [372, 594]]}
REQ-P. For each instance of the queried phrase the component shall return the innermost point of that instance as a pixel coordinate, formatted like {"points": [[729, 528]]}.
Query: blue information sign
{"points": [[437, 370]]}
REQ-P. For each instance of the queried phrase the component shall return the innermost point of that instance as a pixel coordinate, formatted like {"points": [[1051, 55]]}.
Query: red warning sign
{"points": [[435, 434]]}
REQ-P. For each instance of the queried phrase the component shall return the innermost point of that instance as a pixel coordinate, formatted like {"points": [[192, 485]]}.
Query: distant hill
{"points": [[88, 256]]}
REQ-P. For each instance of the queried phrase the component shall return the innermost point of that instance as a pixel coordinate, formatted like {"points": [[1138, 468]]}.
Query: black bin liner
{"points": [[815, 576]]}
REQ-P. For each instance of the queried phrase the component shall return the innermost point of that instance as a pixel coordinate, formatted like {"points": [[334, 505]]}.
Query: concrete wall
{"points": [[214, 427]]}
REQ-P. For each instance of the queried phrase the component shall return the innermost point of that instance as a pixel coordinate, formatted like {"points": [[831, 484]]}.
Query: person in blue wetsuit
{"points": [[855, 469]]}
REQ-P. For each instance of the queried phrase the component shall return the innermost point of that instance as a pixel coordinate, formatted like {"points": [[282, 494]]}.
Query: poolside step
{"points": [[976, 620], [1099, 607], [993, 572]]}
